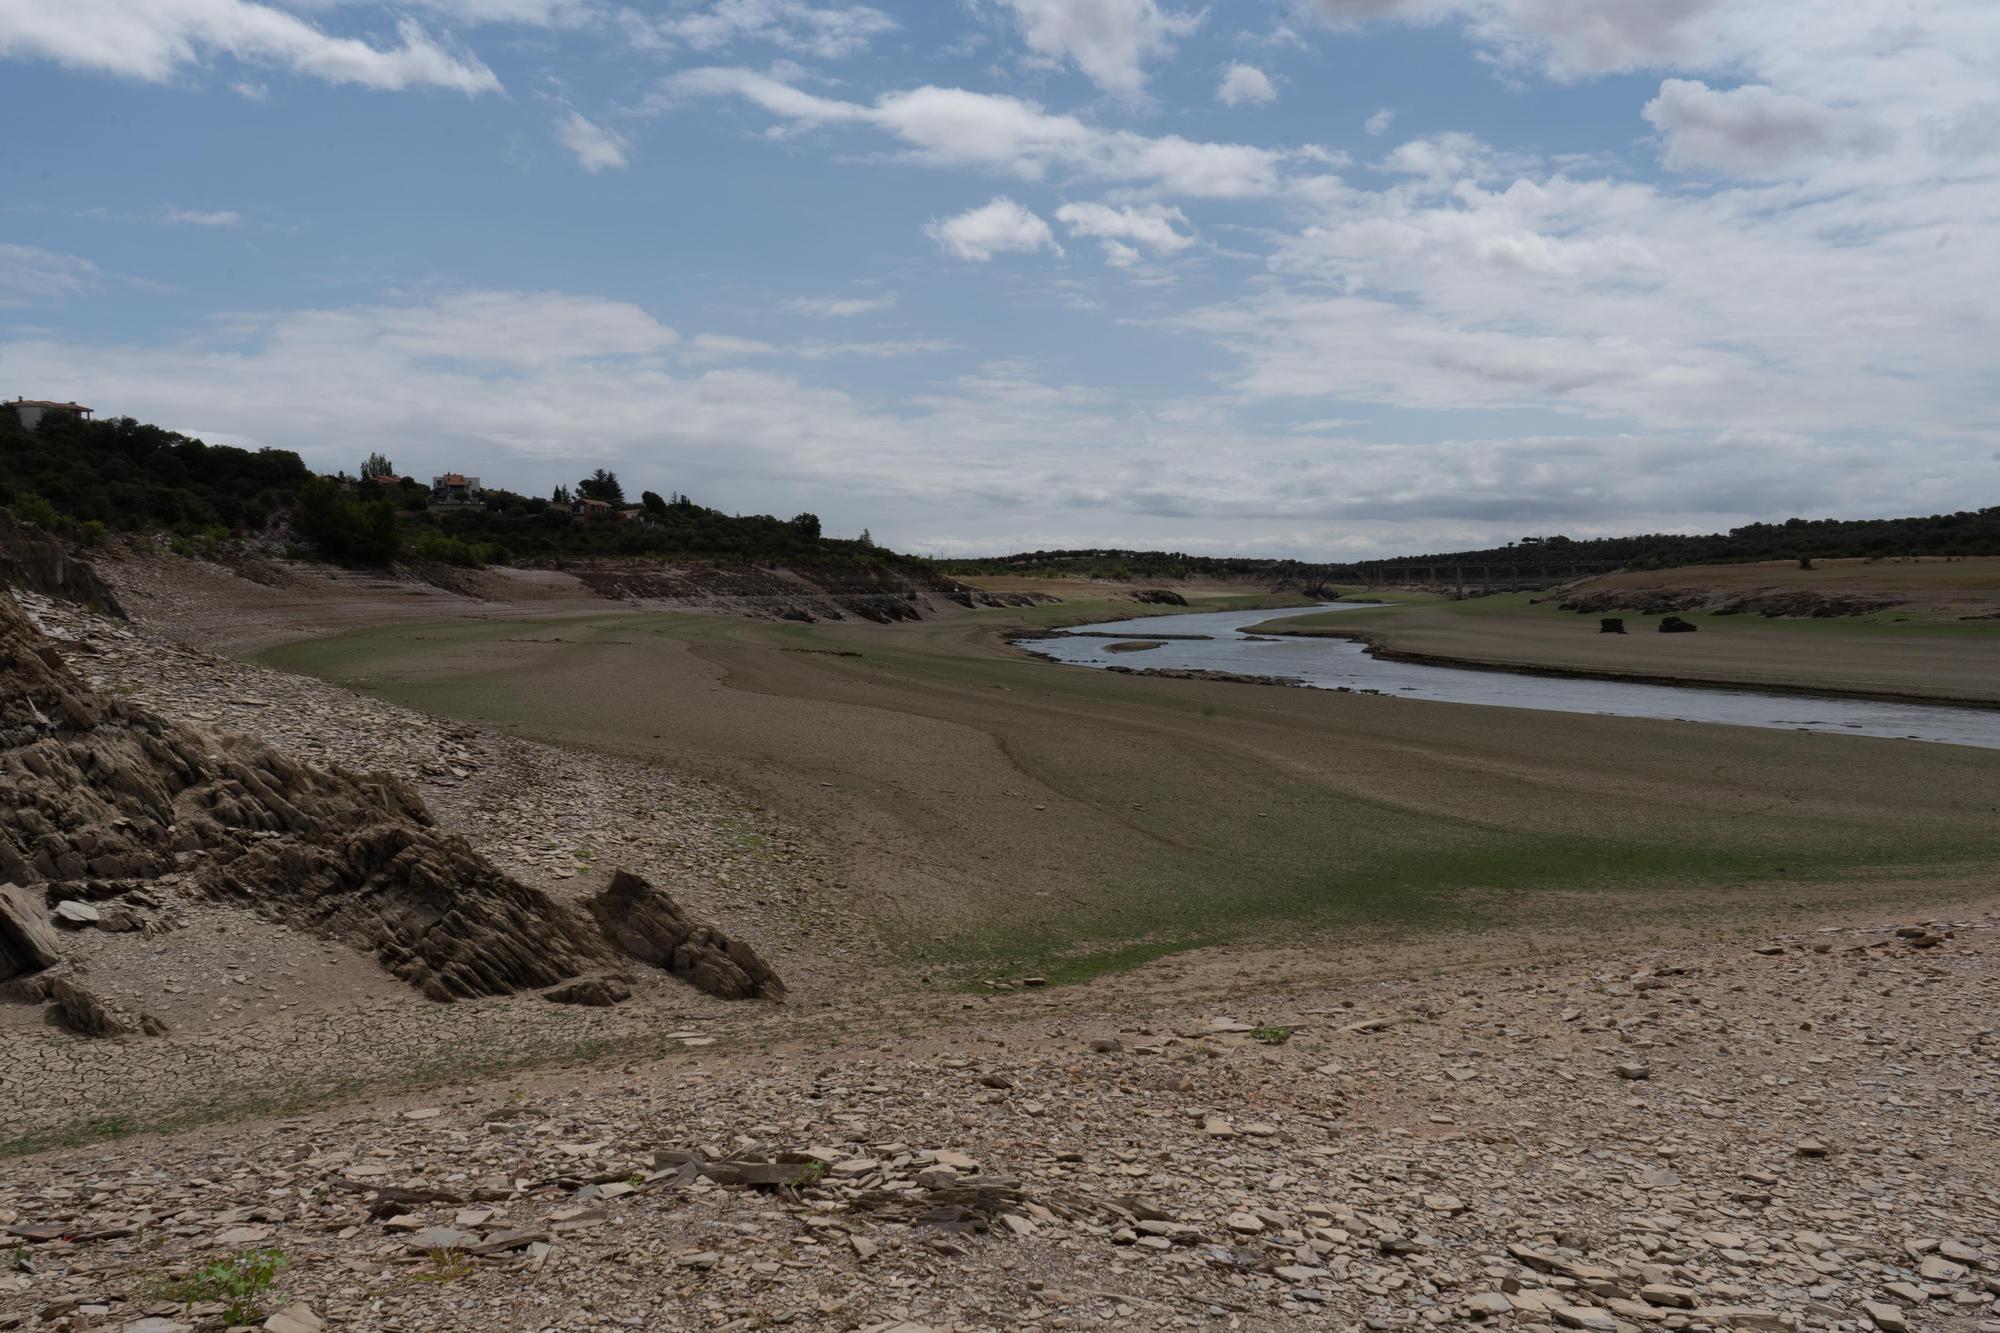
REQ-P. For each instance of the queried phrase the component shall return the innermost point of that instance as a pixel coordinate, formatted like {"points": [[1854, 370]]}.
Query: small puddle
{"points": [[1215, 641]]}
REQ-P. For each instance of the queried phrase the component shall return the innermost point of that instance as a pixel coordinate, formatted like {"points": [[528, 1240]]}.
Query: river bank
{"points": [[1886, 656]]}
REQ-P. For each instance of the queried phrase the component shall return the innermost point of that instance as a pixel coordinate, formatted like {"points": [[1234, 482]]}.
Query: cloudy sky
{"points": [[1313, 277]]}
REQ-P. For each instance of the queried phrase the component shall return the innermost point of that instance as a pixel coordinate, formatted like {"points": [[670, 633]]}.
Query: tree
{"points": [[377, 465], [807, 526], [601, 485], [344, 529], [867, 537], [559, 496], [654, 504]]}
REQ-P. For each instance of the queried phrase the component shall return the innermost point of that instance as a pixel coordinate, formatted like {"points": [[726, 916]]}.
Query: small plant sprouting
{"points": [[447, 1263], [238, 1283], [1272, 1035], [809, 1175]]}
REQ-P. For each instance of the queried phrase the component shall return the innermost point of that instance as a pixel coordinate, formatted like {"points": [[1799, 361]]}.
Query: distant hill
{"points": [[1971, 532], [84, 479], [1146, 566]]}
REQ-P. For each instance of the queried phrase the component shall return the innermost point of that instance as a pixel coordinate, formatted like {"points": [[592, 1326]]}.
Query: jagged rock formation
{"points": [[98, 797], [642, 921], [31, 559]]}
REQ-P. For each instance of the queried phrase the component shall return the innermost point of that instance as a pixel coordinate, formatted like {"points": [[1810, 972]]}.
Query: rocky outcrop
{"points": [[644, 922], [99, 797], [75, 1008], [27, 939], [1159, 597], [32, 559]]}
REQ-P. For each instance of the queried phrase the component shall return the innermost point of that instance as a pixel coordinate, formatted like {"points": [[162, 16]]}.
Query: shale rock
{"points": [[94, 788], [649, 925], [27, 941], [594, 992], [81, 1012]]}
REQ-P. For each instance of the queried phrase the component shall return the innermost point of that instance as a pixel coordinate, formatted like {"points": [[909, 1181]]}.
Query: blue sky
{"points": [[1309, 277]]}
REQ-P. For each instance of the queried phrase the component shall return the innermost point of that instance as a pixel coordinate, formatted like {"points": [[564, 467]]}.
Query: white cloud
{"points": [[1570, 37], [827, 32], [1748, 131], [728, 347], [155, 40], [1379, 122], [538, 386], [1245, 84], [995, 228], [840, 307], [29, 275], [596, 148], [1109, 40], [1124, 232], [198, 217], [953, 127], [1469, 288]]}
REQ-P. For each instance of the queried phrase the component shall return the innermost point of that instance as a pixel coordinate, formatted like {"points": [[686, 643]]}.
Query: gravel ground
{"points": [[1793, 1136]]}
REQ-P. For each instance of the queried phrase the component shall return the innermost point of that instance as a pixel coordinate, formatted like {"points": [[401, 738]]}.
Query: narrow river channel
{"points": [[1345, 663]]}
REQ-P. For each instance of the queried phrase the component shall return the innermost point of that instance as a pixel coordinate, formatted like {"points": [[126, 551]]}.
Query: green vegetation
{"points": [[84, 479], [365, 531], [503, 527], [238, 1283], [130, 477]]}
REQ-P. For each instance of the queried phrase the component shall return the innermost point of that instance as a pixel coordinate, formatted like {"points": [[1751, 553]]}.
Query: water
{"points": [[1333, 663]]}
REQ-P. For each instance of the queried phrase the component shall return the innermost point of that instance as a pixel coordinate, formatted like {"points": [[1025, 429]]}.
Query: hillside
{"points": [[85, 480], [1967, 533]]}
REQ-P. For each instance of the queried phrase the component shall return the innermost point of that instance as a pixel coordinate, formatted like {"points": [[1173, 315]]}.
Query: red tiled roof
{"points": [[49, 402]]}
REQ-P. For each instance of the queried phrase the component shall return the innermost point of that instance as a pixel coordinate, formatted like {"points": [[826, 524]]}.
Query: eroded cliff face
{"points": [[31, 559], [881, 594], [101, 800]]}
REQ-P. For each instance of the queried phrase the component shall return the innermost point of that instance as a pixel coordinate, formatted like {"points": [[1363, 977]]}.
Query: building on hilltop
{"points": [[454, 488], [32, 410], [587, 510]]}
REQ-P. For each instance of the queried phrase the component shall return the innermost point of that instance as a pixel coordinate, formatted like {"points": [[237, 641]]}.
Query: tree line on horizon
{"points": [[84, 479], [1966, 533]]}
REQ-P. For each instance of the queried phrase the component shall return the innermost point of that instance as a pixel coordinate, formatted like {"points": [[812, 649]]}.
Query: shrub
{"points": [[33, 510]]}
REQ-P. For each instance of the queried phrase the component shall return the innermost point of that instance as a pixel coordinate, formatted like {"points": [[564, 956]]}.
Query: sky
{"points": [[1314, 278]]}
